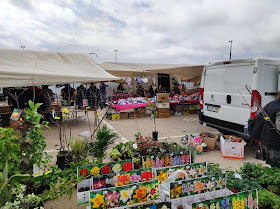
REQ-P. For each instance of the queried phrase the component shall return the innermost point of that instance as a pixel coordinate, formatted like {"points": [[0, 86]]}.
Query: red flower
{"points": [[83, 171], [145, 176], [153, 191], [106, 169], [127, 166]]}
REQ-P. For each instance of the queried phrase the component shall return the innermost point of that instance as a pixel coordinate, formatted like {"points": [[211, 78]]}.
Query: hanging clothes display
{"points": [[94, 98]]}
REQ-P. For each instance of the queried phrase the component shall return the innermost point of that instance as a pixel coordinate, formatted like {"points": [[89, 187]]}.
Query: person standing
{"points": [[103, 91], [47, 97], [109, 93], [176, 89], [267, 134]]}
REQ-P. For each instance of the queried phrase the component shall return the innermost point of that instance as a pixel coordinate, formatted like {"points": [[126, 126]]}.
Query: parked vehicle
{"points": [[225, 102]]}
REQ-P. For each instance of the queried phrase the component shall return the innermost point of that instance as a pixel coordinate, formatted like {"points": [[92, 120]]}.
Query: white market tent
{"points": [[27, 68], [143, 69]]}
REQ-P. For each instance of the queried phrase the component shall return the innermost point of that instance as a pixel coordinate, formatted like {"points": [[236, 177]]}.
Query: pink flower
{"points": [[113, 199], [135, 178]]}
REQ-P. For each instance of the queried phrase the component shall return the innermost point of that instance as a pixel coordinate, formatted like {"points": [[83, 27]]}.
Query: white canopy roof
{"points": [[27, 68], [144, 69]]}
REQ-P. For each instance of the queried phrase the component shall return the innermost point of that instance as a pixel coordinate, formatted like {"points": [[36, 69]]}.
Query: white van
{"points": [[225, 102]]}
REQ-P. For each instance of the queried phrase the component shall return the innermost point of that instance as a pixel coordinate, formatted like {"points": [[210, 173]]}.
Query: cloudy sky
{"points": [[151, 31]]}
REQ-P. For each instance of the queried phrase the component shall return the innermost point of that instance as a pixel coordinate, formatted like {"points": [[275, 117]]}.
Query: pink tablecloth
{"points": [[129, 106]]}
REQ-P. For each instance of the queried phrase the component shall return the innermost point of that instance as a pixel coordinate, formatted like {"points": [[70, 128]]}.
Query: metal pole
{"points": [[116, 55], [230, 49]]}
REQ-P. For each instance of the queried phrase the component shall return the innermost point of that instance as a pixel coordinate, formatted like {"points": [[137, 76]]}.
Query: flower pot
{"points": [[262, 207], [155, 136], [235, 190]]}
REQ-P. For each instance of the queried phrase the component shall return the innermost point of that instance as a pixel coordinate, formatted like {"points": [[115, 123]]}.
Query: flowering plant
{"points": [[145, 146]]}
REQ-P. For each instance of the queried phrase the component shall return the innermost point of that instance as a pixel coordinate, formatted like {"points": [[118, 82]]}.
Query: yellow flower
{"points": [[176, 191], [65, 110], [95, 171], [201, 169], [162, 177], [98, 201]]}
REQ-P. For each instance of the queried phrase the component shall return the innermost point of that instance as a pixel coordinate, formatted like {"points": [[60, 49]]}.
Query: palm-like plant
{"points": [[103, 139]]}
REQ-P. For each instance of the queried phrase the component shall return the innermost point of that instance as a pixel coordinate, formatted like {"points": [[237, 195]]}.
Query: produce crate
{"points": [[178, 107], [132, 115], [170, 112], [115, 116], [163, 112], [192, 107], [185, 112], [124, 115]]}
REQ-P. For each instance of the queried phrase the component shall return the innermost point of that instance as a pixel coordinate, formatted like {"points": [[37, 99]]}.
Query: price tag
{"points": [[152, 157], [171, 154], [200, 205], [181, 153], [117, 174], [134, 187], [179, 182]]}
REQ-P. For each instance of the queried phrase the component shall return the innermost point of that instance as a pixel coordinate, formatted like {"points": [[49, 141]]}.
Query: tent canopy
{"points": [[27, 68], [142, 69]]}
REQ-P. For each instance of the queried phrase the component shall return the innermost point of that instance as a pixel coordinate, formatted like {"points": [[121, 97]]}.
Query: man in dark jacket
{"points": [[266, 133], [103, 91]]}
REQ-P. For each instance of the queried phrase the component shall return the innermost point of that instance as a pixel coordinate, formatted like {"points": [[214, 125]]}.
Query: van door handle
{"points": [[271, 93]]}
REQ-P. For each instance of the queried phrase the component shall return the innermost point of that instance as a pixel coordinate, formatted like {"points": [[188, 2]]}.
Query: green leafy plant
{"points": [[22, 200], [103, 139], [7, 184], [79, 147], [273, 188], [10, 150], [214, 169], [266, 198]]}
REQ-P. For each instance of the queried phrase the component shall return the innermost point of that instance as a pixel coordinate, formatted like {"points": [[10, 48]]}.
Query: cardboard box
{"points": [[192, 107], [185, 107], [170, 112], [115, 116], [210, 141], [124, 115], [163, 112], [192, 111], [163, 115], [233, 150], [163, 105], [178, 107], [131, 115], [162, 97]]}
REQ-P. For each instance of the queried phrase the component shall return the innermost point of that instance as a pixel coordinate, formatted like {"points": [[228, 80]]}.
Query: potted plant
{"points": [[79, 147], [103, 139], [235, 185], [154, 115], [136, 161], [273, 188]]}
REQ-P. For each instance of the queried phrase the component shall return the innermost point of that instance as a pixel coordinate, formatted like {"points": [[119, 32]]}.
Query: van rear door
{"points": [[222, 85]]}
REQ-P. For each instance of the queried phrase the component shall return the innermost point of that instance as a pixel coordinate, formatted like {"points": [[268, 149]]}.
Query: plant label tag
{"points": [[152, 157], [105, 192], [200, 205], [117, 174], [204, 124], [181, 153], [171, 154], [37, 171], [237, 175], [134, 187], [179, 182], [213, 178]]}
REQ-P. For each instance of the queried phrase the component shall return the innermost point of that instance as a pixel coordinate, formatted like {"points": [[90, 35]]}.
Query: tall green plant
{"points": [[33, 141], [79, 147], [103, 139]]}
